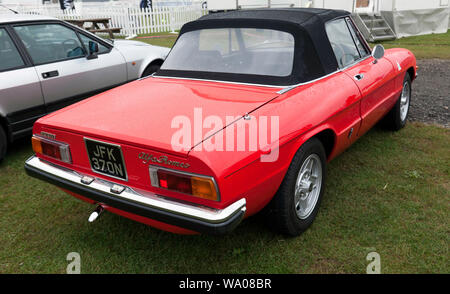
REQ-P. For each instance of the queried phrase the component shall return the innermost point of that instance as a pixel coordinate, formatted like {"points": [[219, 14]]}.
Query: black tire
{"points": [[151, 69], [393, 119], [3, 143], [282, 211]]}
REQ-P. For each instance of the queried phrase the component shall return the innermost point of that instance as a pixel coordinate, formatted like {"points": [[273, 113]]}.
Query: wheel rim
{"points": [[404, 101], [308, 186]]}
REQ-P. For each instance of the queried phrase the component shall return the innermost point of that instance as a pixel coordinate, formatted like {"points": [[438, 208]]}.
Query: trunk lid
{"points": [[141, 112]]}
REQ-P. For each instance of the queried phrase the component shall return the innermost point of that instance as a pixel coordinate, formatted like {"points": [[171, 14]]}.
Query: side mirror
{"points": [[378, 52], [93, 50]]}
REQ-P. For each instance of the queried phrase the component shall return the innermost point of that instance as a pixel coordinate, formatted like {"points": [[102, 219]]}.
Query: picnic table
{"points": [[98, 25]]}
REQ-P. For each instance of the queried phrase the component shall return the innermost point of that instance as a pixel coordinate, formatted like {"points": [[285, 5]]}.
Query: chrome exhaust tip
{"points": [[94, 215]]}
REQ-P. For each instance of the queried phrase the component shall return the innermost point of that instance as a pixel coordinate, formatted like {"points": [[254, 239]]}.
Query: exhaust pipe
{"points": [[96, 213]]}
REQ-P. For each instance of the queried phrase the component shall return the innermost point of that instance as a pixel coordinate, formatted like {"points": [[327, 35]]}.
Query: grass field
{"points": [[159, 39], [428, 46], [388, 193]]}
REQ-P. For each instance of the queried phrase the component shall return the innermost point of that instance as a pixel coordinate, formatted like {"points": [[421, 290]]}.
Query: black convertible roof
{"points": [[314, 54], [306, 17]]}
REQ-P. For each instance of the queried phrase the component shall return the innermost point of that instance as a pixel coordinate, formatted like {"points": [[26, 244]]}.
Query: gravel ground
{"points": [[431, 93]]}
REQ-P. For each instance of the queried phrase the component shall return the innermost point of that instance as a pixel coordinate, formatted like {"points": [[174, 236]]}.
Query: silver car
{"points": [[46, 64]]}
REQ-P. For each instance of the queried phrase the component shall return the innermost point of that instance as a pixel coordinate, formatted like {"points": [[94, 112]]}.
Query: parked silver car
{"points": [[46, 64]]}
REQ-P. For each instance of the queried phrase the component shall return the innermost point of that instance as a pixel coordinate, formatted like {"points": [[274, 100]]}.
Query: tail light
{"points": [[195, 185], [51, 148]]}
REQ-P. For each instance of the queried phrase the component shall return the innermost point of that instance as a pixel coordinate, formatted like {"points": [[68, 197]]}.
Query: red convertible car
{"points": [[244, 114]]}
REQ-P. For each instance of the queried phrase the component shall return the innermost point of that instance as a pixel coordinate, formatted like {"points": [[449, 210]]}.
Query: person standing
{"points": [[146, 4], [66, 4]]}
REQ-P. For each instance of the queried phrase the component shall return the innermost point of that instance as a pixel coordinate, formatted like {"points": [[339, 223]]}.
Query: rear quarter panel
{"points": [[328, 104], [407, 62]]}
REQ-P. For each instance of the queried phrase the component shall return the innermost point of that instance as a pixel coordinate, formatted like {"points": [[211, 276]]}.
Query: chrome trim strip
{"points": [[287, 89], [356, 62], [219, 81], [284, 89], [153, 169], [206, 214]]}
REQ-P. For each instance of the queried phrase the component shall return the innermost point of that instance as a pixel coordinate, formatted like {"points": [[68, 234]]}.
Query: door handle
{"points": [[50, 74], [359, 77]]}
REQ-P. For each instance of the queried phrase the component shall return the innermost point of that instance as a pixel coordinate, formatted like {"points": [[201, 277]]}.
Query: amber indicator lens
{"points": [[37, 146], [51, 148], [203, 188]]}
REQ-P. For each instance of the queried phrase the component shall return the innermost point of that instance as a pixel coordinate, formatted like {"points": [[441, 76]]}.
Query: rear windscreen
{"points": [[247, 51]]}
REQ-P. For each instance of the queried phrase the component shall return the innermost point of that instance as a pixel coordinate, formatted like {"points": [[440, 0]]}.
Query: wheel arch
{"points": [[412, 73], [326, 135], [157, 61], [328, 139], [4, 124]]}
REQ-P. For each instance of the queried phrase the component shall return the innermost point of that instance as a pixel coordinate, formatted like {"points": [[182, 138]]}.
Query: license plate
{"points": [[106, 159]]}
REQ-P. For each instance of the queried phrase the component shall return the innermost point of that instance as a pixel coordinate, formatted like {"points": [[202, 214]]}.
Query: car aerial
{"points": [[46, 64], [242, 117]]}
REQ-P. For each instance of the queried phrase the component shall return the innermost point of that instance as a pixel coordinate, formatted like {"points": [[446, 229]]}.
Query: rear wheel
{"points": [[297, 201], [3, 143], [396, 118]]}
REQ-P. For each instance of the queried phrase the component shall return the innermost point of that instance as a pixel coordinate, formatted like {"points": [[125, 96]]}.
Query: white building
{"points": [[377, 19], [404, 17]]}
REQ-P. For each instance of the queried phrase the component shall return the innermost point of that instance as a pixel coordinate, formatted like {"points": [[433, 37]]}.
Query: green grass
{"points": [[427, 46], [159, 39], [423, 47], [389, 193]]}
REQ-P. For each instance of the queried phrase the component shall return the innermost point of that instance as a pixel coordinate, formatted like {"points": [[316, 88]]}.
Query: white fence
{"points": [[130, 18]]}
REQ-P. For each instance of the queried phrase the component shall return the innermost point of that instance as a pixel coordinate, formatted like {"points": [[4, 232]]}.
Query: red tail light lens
{"points": [[174, 182], [51, 148], [195, 185]]}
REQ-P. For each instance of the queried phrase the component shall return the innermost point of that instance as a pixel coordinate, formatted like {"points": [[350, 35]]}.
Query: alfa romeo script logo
{"points": [[146, 158]]}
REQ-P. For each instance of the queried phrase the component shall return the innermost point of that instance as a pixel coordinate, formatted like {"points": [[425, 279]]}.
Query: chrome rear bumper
{"points": [[193, 217]]}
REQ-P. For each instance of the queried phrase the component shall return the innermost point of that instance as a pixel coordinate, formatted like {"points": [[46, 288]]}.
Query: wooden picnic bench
{"points": [[98, 25]]}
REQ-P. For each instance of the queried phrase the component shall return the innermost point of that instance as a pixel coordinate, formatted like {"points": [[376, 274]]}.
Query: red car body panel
{"points": [[155, 112], [337, 105]]}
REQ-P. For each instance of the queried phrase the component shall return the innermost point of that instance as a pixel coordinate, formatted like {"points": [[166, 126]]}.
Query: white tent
{"points": [[416, 17], [377, 19], [405, 17]]}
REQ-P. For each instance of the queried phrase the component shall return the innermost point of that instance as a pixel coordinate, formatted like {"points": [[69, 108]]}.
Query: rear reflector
{"points": [[195, 185], [51, 148]]}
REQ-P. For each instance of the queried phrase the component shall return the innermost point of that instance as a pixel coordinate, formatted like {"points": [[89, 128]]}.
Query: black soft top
{"points": [[299, 16], [307, 25]]}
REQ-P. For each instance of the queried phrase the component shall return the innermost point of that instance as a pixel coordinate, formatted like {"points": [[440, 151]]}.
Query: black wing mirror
{"points": [[93, 50], [378, 52]]}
